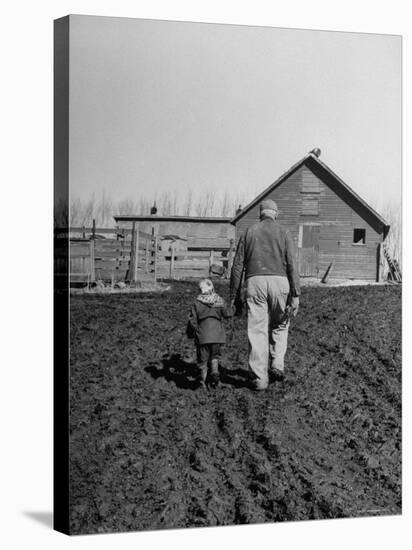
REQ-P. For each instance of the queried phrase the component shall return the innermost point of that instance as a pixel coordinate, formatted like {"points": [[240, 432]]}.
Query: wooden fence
{"points": [[134, 256], [184, 264]]}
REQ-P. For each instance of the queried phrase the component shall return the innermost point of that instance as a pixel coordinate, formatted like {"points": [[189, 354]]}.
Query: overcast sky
{"points": [[161, 106]]}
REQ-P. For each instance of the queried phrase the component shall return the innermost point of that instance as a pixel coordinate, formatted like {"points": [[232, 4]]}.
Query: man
{"points": [[266, 254]]}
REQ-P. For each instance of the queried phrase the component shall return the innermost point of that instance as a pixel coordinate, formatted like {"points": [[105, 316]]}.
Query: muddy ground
{"points": [[151, 450]]}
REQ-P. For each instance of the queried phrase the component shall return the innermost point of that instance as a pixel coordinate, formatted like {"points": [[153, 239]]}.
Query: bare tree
{"points": [[201, 207], [126, 206], [208, 203], [144, 205], [75, 211], [104, 211], [165, 204], [89, 211], [175, 204], [392, 213], [209, 199], [225, 205], [187, 208]]}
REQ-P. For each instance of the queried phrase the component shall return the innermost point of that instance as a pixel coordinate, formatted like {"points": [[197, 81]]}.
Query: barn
{"points": [[330, 223]]}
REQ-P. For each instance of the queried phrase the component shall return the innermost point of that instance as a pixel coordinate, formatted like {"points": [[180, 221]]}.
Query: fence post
{"points": [[172, 261], [231, 256], [146, 252], [136, 251], [132, 262], [379, 275], [155, 259], [147, 255], [211, 255], [92, 264]]}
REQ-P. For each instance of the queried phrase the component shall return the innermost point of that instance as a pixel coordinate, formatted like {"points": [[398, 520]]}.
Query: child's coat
{"points": [[205, 319]]}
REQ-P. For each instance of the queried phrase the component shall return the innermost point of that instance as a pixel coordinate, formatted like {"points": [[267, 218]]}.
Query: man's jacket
{"points": [[205, 320], [265, 248]]}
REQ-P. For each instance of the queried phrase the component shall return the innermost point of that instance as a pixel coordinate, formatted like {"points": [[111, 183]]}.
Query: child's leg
{"points": [[214, 364], [202, 359]]}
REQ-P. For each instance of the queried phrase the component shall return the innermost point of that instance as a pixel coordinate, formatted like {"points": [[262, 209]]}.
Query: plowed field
{"points": [[151, 450]]}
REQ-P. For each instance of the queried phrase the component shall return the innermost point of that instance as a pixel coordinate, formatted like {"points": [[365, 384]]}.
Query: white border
{"points": [[26, 305]]}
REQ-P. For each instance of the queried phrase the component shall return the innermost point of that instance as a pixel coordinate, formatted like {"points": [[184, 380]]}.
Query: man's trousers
{"points": [[267, 324]]}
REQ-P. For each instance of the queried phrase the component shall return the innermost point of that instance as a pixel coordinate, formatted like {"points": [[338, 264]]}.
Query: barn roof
{"points": [[312, 158], [142, 218]]}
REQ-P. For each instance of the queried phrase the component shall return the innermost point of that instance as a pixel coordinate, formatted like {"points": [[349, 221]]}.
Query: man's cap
{"points": [[268, 205]]}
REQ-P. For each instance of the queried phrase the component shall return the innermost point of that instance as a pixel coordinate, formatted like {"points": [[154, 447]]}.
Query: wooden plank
{"points": [[135, 252], [80, 250], [130, 273], [188, 273], [231, 256], [110, 257], [79, 265], [185, 263], [79, 277], [112, 245], [147, 257], [172, 260], [195, 255], [113, 249], [119, 270], [328, 272], [100, 231], [92, 262], [110, 264], [207, 244], [380, 263], [80, 255], [156, 250], [201, 267], [300, 236], [211, 259]]}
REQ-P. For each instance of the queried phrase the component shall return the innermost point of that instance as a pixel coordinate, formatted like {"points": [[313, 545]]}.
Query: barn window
{"points": [[310, 206], [310, 185], [359, 236]]}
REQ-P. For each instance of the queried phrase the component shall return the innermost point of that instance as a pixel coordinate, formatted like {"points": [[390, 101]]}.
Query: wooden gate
{"points": [[308, 250]]}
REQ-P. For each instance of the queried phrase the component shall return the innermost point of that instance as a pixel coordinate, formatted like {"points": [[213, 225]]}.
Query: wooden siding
{"points": [[310, 205], [338, 215]]}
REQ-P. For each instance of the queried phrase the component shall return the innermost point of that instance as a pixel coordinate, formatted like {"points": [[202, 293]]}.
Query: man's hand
{"points": [[294, 305]]}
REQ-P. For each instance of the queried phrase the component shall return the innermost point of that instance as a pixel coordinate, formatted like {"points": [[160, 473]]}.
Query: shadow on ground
{"points": [[175, 369], [186, 374], [44, 518]]}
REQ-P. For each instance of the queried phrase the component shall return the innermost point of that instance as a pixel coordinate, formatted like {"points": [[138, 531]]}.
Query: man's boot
{"points": [[203, 374], [275, 374], [214, 373]]}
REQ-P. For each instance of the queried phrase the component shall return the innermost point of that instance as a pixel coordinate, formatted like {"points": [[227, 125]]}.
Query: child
{"points": [[206, 327]]}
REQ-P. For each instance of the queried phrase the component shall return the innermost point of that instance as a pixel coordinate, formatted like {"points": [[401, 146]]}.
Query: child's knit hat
{"points": [[206, 286], [208, 295]]}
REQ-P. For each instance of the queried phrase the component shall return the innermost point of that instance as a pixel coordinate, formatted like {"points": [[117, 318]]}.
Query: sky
{"points": [[159, 106]]}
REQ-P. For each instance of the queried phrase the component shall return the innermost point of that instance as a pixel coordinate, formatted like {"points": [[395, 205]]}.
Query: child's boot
{"points": [[214, 373], [203, 373]]}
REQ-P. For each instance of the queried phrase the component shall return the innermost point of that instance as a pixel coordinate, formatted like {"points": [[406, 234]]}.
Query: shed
{"points": [[200, 233], [328, 221]]}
